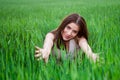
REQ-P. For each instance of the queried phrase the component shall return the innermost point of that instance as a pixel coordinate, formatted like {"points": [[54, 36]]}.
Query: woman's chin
{"points": [[66, 39]]}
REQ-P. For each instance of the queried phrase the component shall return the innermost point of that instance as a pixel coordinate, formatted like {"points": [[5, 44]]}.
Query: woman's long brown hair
{"points": [[75, 18]]}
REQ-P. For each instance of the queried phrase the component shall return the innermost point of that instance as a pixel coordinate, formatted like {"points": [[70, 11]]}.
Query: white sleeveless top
{"points": [[72, 53]]}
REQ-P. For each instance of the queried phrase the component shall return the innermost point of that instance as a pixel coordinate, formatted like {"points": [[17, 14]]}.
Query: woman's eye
{"points": [[68, 27], [75, 32]]}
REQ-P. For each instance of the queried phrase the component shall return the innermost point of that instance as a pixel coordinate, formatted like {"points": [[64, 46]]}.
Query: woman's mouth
{"points": [[67, 37]]}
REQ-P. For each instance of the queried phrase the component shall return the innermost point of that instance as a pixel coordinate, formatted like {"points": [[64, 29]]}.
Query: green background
{"points": [[24, 24]]}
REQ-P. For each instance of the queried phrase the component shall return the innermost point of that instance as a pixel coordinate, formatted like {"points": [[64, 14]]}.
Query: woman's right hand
{"points": [[41, 54]]}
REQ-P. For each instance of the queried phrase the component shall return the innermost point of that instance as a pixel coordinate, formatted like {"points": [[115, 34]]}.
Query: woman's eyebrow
{"points": [[75, 30], [68, 26]]}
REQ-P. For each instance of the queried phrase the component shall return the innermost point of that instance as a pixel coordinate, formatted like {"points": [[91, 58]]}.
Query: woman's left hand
{"points": [[95, 57]]}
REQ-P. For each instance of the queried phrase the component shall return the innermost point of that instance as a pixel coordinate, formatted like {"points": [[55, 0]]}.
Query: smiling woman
{"points": [[71, 35]]}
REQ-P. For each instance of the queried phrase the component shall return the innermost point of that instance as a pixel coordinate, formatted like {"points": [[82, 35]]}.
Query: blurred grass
{"points": [[24, 24]]}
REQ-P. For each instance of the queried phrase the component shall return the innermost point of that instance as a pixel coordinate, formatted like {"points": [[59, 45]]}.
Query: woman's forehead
{"points": [[73, 25]]}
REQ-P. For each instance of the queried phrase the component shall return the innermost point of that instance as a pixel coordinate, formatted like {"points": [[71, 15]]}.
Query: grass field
{"points": [[24, 24]]}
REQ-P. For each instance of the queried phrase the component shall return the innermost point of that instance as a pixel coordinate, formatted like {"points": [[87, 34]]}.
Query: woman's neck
{"points": [[67, 45]]}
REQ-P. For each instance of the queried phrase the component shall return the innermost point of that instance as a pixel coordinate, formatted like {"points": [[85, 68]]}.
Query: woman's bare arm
{"points": [[48, 42], [86, 48], [45, 51]]}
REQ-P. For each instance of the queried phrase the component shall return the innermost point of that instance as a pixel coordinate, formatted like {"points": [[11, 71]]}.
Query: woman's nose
{"points": [[69, 33]]}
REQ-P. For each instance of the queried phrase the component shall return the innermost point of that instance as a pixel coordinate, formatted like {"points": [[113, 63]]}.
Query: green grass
{"points": [[24, 24]]}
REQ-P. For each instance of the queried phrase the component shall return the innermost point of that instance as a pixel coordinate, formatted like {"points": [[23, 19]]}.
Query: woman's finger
{"points": [[37, 48], [37, 51], [38, 55], [40, 58]]}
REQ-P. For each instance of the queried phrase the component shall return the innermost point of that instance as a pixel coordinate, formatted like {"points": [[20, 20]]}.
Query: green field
{"points": [[24, 24]]}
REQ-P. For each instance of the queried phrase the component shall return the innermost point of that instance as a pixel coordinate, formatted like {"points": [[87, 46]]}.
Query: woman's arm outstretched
{"points": [[45, 51], [86, 48]]}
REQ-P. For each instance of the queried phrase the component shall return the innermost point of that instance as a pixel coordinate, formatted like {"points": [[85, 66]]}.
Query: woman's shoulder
{"points": [[53, 32], [50, 35], [81, 39]]}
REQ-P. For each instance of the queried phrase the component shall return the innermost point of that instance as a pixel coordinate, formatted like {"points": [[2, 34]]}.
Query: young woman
{"points": [[71, 35]]}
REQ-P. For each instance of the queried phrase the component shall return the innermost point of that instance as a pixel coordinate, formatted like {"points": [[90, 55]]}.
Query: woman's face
{"points": [[70, 31]]}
